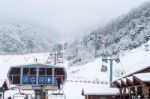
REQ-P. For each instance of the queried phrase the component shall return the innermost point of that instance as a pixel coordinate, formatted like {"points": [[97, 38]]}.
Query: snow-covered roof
{"points": [[145, 77], [124, 80], [130, 78], [119, 81], [37, 65], [100, 91]]}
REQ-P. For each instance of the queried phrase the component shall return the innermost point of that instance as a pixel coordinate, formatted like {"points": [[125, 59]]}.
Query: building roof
{"points": [[100, 91], [145, 77], [140, 77], [37, 65], [143, 70]]}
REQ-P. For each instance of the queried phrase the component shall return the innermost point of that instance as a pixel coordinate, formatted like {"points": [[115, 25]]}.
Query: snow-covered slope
{"points": [[82, 76], [130, 61], [134, 60], [126, 32], [89, 73], [21, 36]]}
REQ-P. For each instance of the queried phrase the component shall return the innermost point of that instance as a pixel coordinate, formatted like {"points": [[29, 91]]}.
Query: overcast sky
{"points": [[68, 17]]}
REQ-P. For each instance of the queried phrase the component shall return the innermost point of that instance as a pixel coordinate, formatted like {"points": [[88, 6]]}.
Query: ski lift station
{"points": [[40, 78]]}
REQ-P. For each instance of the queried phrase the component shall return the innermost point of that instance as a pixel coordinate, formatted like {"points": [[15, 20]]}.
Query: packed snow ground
{"points": [[72, 90], [91, 72]]}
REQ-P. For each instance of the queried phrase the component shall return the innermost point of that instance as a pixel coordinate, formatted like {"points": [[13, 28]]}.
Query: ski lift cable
{"points": [[122, 66]]}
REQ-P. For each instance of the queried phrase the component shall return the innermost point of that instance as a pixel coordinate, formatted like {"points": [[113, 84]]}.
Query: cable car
{"points": [[104, 68]]}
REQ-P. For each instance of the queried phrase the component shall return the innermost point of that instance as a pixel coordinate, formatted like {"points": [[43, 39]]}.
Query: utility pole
{"points": [[85, 41], [111, 68], [57, 53], [55, 58], [95, 42]]}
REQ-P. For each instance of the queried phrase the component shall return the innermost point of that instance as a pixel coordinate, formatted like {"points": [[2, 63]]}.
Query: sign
{"points": [[36, 87]]}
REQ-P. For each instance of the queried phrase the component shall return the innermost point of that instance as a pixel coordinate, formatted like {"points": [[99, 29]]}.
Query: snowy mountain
{"points": [[21, 36], [126, 32], [80, 76]]}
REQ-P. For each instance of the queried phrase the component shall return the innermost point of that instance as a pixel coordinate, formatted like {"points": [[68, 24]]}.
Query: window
{"points": [[15, 71], [16, 79], [25, 71], [48, 71], [32, 71], [42, 71], [15, 75], [59, 71]]}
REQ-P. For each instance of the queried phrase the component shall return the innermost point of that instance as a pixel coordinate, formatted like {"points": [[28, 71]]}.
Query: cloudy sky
{"points": [[68, 17]]}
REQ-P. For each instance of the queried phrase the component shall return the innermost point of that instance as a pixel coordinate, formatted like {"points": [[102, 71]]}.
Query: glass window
{"points": [[32, 79], [15, 71], [42, 71], [25, 71], [42, 80], [16, 79], [59, 71], [32, 71], [49, 80], [48, 71], [25, 79]]}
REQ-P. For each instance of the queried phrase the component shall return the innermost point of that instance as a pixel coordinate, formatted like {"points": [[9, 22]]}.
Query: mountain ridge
{"points": [[21, 36]]}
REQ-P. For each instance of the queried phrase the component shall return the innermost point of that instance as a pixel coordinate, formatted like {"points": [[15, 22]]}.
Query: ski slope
{"points": [[134, 60], [72, 90], [81, 76]]}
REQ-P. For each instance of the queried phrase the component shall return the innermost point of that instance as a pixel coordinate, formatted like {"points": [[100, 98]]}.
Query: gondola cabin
{"points": [[104, 68], [37, 76]]}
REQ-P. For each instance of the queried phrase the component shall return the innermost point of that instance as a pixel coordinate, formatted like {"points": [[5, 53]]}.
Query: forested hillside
{"points": [[19, 36], [124, 33]]}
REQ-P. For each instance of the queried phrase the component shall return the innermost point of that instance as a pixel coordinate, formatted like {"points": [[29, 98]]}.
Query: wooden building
{"points": [[100, 93], [135, 85]]}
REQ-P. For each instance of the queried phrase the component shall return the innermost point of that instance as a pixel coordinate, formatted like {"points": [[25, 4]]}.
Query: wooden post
{"points": [[136, 92], [120, 93], [124, 91], [129, 90]]}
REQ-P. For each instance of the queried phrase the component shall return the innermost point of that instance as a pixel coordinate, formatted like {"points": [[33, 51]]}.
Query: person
{"points": [[58, 83]]}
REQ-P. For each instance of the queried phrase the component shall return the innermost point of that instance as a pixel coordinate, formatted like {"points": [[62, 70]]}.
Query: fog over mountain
{"points": [[22, 36], [71, 18], [125, 33]]}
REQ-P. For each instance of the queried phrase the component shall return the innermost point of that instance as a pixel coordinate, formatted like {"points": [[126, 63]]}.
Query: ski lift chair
{"points": [[104, 68]]}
